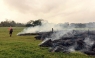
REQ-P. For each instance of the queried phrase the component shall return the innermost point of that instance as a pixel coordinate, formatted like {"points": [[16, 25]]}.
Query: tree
{"points": [[37, 22], [13, 23], [32, 23]]}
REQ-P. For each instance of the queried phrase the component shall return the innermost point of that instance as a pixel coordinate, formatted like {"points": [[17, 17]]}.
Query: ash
{"points": [[69, 41]]}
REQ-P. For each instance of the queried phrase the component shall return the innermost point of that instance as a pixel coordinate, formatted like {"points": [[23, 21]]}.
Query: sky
{"points": [[54, 11]]}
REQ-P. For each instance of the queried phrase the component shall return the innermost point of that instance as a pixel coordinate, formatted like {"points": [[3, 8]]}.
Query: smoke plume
{"points": [[45, 27]]}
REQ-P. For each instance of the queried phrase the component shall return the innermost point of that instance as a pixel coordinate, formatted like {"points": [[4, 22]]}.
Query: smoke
{"points": [[59, 34], [45, 27], [71, 49], [80, 44], [88, 43]]}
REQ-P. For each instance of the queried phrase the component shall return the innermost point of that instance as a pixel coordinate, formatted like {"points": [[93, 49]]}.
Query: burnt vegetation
{"points": [[76, 40], [67, 41], [71, 41]]}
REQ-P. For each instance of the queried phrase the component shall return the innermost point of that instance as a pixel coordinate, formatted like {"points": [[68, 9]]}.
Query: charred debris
{"points": [[71, 41]]}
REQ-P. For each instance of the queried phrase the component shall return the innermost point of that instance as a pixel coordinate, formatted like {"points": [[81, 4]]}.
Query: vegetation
{"points": [[27, 47], [34, 23], [12, 23]]}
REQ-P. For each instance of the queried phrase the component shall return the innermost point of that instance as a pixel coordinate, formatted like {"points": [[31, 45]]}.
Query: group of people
{"points": [[10, 31]]}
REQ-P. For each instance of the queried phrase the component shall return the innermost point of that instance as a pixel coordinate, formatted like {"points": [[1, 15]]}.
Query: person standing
{"points": [[10, 31]]}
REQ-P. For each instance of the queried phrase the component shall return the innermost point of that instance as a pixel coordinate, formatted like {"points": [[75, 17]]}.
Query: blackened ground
{"points": [[75, 39]]}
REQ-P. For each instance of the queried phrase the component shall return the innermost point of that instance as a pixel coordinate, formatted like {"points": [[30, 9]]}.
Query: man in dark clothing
{"points": [[10, 31]]}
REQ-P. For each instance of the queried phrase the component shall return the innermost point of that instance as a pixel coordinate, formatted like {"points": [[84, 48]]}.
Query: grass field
{"points": [[27, 47]]}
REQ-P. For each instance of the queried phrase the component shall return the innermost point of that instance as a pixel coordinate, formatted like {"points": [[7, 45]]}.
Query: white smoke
{"points": [[71, 49], [59, 34], [88, 43], [45, 27]]}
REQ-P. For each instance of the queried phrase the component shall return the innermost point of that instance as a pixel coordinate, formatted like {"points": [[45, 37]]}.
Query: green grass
{"points": [[27, 47]]}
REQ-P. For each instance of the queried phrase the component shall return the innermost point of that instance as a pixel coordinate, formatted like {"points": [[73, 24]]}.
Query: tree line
{"points": [[12, 23], [33, 23]]}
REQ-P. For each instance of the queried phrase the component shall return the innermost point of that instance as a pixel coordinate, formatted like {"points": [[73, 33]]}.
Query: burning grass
{"points": [[27, 47]]}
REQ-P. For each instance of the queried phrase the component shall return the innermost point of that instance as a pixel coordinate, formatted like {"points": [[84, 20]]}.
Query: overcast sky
{"points": [[55, 11]]}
